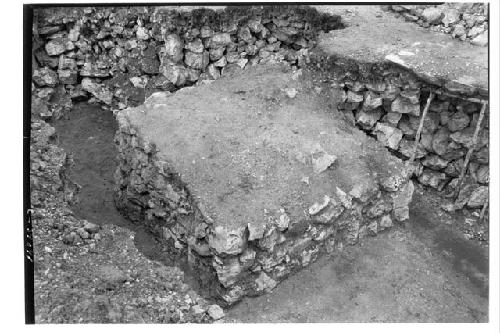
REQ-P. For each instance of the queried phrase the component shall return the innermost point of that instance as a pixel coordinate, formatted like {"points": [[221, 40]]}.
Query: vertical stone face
{"points": [[388, 135]]}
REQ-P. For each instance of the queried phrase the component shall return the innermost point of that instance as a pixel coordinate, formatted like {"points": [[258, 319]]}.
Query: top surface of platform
{"points": [[373, 35], [245, 149]]}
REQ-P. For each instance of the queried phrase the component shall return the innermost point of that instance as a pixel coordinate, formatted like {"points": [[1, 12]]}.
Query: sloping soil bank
{"points": [[426, 272]]}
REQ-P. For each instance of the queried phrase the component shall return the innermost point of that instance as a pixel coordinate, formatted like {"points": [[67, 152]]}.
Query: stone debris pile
{"points": [[464, 21]]}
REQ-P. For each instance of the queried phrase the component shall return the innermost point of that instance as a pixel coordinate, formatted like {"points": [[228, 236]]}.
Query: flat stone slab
{"points": [[263, 159], [374, 36]]}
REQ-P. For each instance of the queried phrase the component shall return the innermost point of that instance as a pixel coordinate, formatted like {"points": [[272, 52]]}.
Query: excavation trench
{"points": [[377, 97], [87, 133]]}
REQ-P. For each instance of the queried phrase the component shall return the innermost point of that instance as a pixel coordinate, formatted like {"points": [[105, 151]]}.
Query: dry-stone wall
{"points": [[465, 21], [117, 56], [249, 261], [387, 103]]}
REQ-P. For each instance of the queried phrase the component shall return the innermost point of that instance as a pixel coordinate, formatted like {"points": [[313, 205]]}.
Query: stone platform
{"points": [[252, 176]]}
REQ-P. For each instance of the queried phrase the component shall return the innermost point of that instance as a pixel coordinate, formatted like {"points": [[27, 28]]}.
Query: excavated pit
{"points": [[252, 176]]}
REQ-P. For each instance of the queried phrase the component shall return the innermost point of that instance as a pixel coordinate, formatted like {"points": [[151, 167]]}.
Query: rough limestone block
{"points": [[403, 105], [435, 162], [173, 47], [45, 77], [458, 121], [432, 178], [55, 47], [367, 119], [432, 15], [478, 197], [251, 184], [388, 135], [98, 90]]}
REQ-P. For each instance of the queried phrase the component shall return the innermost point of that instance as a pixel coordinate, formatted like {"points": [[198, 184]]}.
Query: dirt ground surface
{"points": [[373, 35], [424, 272]]}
